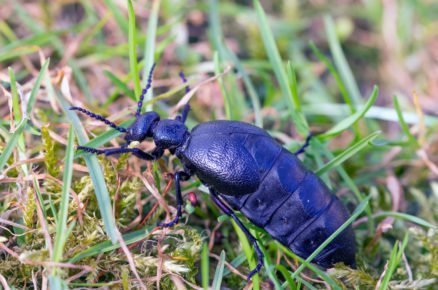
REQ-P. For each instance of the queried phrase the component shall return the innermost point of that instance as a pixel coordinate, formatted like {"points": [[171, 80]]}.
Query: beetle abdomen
{"points": [[296, 208], [307, 218]]}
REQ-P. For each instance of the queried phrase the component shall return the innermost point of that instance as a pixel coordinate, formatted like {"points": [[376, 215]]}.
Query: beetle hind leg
{"points": [[228, 211]]}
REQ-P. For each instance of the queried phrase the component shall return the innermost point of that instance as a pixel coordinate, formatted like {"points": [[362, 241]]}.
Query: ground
{"points": [[360, 75]]}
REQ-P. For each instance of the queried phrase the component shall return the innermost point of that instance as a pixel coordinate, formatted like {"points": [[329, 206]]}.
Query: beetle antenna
{"points": [[100, 118], [186, 108], [144, 91]]}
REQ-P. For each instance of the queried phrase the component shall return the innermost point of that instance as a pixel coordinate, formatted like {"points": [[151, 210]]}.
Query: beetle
{"points": [[245, 170]]}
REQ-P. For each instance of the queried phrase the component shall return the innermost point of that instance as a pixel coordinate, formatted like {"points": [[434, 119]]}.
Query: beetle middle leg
{"points": [[228, 211], [179, 176], [305, 145]]}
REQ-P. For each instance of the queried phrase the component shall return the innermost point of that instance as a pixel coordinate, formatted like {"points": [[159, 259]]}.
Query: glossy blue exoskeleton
{"points": [[245, 169]]}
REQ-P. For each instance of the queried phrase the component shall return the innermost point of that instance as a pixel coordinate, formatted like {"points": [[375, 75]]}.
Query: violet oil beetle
{"points": [[245, 170]]}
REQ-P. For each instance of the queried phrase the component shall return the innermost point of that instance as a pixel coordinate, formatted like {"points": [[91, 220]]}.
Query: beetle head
{"points": [[142, 127]]}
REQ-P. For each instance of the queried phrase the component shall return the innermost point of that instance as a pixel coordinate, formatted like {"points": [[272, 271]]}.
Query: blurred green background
{"points": [[360, 75]]}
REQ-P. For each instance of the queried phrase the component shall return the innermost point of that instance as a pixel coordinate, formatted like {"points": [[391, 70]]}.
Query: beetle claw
{"points": [[169, 224], [254, 271]]}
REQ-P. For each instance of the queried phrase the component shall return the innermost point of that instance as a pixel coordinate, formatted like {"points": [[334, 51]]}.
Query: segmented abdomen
{"points": [[295, 207]]}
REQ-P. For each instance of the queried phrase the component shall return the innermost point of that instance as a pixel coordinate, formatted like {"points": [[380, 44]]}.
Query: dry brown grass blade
{"points": [[184, 100], [4, 283], [43, 223], [130, 260]]}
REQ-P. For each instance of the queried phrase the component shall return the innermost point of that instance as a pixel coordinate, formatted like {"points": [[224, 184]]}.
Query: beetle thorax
{"points": [[170, 134]]}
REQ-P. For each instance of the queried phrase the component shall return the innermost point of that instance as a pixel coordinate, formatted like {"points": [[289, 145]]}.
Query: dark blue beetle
{"points": [[245, 169]]}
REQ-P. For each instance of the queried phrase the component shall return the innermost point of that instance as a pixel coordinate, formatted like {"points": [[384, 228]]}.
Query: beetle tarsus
{"points": [[174, 221], [135, 151], [305, 145], [91, 150], [255, 270]]}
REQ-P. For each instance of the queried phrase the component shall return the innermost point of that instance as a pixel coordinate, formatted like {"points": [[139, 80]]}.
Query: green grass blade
{"points": [[310, 286], [40, 198], [7, 31], [293, 85], [352, 119], [205, 266], [375, 112], [405, 216], [347, 153], [217, 281], [120, 19], [96, 174], [36, 87], [394, 260], [278, 67], [107, 246], [15, 98], [249, 86], [57, 283], [37, 27], [249, 253], [81, 80], [236, 262], [269, 267], [226, 53], [335, 74], [61, 226], [402, 122], [290, 282], [17, 53], [149, 49], [7, 151], [359, 209], [348, 181], [341, 62], [33, 41], [322, 274], [227, 101], [16, 109], [132, 44], [120, 84]]}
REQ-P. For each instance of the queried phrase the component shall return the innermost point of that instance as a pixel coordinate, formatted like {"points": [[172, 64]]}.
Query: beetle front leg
{"points": [[180, 175], [228, 211]]}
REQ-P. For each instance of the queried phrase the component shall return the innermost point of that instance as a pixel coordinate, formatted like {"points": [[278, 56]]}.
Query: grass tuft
{"points": [[377, 155]]}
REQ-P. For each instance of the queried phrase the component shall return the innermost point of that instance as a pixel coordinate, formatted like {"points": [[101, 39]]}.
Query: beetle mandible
{"points": [[245, 169]]}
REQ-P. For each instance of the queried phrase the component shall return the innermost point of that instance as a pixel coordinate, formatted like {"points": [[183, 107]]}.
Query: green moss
{"points": [[30, 215], [49, 147]]}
